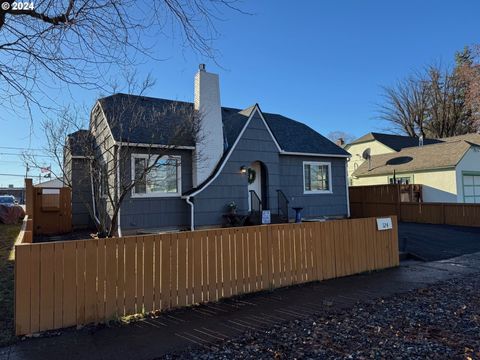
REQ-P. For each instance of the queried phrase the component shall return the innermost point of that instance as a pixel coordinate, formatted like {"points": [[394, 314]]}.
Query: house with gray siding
{"points": [[260, 161]]}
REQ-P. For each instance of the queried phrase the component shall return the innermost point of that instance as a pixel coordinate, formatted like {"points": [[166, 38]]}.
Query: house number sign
{"points": [[384, 224]]}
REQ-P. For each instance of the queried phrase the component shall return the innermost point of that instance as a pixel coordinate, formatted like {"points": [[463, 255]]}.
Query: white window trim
{"points": [[101, 191], [330, 185], [157, 194]]}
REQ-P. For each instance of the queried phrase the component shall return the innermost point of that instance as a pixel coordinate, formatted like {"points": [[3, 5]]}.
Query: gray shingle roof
{"points": [[78, 141], [140, 119], [395, 142], [435, 156], [148, 120]]}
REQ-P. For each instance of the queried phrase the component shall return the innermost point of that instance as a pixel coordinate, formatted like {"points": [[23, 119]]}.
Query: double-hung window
{"points": [[156, 176], [317, 177]]}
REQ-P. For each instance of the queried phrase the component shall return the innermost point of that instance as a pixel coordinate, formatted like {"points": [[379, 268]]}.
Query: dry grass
{"points": [[8, 234]]}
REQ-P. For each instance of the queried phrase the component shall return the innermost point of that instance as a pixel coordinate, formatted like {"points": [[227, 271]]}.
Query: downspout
{"points": [[346, 189], [192, 213], [119, 227], [94, 206]]}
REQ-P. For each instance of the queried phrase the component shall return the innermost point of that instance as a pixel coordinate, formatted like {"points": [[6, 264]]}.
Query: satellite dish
{"points": [[366, 155], [399, 160]]}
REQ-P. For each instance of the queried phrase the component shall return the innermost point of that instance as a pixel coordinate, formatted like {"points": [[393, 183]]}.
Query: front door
{"points": [[254, 181]]}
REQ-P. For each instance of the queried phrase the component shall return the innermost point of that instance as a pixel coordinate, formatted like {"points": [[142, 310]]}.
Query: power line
{"points": [[12, 161], [12, 175], [18, 148], [20, 154]]}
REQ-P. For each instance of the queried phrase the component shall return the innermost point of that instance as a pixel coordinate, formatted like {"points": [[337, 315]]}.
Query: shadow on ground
{"points": [[437, 242]]}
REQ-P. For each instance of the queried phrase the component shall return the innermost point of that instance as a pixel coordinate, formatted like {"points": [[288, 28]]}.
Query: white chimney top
{"points": [[209, 147]]}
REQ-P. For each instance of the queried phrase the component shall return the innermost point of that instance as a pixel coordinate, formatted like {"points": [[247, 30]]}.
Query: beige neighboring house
{"points": [[448, 169]]}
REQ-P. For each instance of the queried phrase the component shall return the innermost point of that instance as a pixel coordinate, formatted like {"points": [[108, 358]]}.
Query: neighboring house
{"points": [[378, 143], [448, 169], [54, 183], [290, 161]]}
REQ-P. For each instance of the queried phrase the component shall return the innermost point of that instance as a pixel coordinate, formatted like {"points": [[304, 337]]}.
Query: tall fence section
{"points": [[70, 283], [385, 200], [49, 209]]}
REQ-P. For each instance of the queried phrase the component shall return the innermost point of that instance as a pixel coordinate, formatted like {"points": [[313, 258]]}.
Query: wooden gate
{"points": [[52, 211]]}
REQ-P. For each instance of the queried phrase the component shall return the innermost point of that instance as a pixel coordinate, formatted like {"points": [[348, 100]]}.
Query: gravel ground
{"points": [[438, 322]]}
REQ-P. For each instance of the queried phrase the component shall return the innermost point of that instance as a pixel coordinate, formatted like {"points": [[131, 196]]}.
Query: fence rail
{"points": [[69, 283]]}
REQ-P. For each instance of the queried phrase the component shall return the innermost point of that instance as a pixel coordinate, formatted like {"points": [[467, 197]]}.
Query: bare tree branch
{"points": [[79, 42]]}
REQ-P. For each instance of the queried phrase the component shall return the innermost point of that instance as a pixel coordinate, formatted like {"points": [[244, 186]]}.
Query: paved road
{"points": [[436, 242], [206, 324]]}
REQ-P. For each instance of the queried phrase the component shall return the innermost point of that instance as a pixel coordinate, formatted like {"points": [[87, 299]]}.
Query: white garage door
{"points": [[471, 188]]}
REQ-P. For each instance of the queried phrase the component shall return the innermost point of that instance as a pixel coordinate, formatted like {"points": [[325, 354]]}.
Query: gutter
{"points": [[119, 226], [192, 213], [346, 189], [93, 197]]}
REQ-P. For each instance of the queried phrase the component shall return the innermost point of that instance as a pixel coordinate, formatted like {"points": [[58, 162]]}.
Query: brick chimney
{"points": [[209, 147], [340, 142]]}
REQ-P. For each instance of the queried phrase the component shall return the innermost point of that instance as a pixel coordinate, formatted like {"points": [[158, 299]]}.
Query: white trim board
{"points": [[226, 157], [314, 154], [281, 152], [156, 146], [330, 185]]}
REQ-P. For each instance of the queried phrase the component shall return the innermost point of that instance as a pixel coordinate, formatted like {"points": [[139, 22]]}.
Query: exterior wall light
{"points": [[243, 169]]}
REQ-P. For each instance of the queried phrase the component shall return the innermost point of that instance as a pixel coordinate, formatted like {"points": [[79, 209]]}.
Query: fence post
{"points": [[29, 198], [398, 208], [362, 196]]}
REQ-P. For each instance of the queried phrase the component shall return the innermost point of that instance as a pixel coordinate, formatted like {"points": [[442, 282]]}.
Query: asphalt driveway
{"points": [[436, 242]]}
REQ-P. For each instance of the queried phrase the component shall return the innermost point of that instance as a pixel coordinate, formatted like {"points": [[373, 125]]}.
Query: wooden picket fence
{"points": [[68, 283], [385, 200]]}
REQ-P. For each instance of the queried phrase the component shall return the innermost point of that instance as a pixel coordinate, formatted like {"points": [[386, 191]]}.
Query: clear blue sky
{"points": [[319, 62]]}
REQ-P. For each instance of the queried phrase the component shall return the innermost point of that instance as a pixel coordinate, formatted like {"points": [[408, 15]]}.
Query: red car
{"points": [[10, 211]]}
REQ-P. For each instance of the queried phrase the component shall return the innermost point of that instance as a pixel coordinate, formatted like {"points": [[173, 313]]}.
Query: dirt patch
{"points": [[8, 234]]}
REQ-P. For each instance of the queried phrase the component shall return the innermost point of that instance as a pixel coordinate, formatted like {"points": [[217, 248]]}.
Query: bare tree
{"points": [[405, 106], [468, 71], [447, 113], [432, 103], [172, 126], [44, 43], [339, 135]]}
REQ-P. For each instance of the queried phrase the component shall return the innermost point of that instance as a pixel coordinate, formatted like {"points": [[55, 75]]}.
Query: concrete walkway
{"points": [[200, 326]]}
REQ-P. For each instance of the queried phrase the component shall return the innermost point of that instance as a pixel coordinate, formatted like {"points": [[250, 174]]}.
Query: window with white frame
{"points": [[471, 187], [317, 177], [156, 176]]}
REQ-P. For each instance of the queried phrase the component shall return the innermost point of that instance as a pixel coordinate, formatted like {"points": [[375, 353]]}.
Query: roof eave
{"points": [[314, 154]]}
